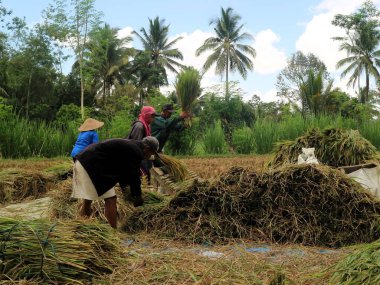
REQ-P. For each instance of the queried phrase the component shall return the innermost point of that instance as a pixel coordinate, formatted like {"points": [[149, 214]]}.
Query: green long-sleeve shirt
{"points": [[162, 127]]}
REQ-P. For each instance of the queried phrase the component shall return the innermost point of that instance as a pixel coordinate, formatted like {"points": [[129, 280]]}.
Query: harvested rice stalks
{"points": [[61, 253], [188, 89], [63, 207], [17, 185], [176, 168], [307, 204], [360, 267], [333, 147]]}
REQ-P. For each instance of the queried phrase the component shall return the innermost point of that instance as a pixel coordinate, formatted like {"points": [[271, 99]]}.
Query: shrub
{"points": [[214, 140], [183, 142], [243, 140]]}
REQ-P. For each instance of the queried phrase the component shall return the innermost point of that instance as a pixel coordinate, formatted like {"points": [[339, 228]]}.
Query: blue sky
{"points": [[280, 28]]}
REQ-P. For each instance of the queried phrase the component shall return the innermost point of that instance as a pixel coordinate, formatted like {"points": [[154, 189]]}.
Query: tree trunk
{"points": [[104, 92], [227, 91], [28, 95], [360, 95], [366, 91], [81, 89]]}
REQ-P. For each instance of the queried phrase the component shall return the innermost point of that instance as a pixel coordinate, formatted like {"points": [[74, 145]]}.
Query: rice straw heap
{"points": [[307, 204], [17, 185], [63, 207], [63, 253], [333, 147]]}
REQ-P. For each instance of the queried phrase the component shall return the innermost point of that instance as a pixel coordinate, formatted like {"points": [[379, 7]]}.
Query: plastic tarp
{"points": [[369, 178]]}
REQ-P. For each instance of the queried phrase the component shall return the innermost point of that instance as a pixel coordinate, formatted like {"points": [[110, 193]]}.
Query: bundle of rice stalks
{"points": [[17, 185], [360, 267], [308, 204], [56, 253], [188, 88], [175, 167], [333, 147]]}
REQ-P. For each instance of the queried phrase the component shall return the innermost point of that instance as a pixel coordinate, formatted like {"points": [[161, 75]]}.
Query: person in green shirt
{"points": [[164, 124]]}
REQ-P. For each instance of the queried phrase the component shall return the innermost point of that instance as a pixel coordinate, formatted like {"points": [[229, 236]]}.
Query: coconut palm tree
{"points": [[227, 51], [360, 59], [162, 52], [107, 55], [314, 92], [361, 43]]}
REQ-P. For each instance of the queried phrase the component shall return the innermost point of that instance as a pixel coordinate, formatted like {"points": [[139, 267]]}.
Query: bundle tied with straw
{"points": [[188, 88]]}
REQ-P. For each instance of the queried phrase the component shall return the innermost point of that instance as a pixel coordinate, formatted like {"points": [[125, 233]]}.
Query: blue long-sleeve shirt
{"points": [[84, 140]]}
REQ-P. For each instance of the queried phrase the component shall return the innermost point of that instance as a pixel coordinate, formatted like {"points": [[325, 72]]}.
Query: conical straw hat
{"points": [[90, 124]]}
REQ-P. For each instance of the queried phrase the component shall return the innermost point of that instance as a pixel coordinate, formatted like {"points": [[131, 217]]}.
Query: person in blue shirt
{"points": [[87, 136]]}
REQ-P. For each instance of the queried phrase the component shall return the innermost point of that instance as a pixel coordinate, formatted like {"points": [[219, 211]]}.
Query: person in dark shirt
{"points": [[101, 166], [163, 125]]}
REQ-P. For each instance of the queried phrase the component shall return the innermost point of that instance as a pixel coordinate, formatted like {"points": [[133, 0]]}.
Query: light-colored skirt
{"points": [[83, 188]]}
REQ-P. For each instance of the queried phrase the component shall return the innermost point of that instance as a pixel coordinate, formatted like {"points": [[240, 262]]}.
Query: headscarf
{"points": [[145, 114]]}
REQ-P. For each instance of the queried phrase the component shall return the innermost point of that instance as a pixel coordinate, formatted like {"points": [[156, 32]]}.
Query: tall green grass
{"points": [[243, 140], [214, 140], [268, 132], [20, 138], [371, 131]]}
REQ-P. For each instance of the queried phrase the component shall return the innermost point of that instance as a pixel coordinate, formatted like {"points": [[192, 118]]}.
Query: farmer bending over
{"points": [[102, 165]]}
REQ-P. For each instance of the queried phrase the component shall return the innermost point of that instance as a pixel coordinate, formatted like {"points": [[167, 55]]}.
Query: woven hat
{"points": [[90, 124], [152, 142]]}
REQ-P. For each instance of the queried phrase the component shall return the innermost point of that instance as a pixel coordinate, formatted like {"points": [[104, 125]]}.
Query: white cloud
{"points": [[126, 32], [268, 58], [189, 43], [317, 37], [340, 6], [267, 96]]}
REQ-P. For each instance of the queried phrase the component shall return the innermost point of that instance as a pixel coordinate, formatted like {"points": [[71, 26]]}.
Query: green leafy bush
{"points": [[214, 140], [183, 142], [243, 140], [120, 124]]}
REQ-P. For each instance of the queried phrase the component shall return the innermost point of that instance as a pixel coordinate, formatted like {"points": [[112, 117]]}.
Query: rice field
{"points": [[149, 258]]}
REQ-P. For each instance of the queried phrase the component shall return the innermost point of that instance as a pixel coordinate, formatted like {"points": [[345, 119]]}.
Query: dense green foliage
{"points": [[41, 108], [214, 141], [243, 140]]}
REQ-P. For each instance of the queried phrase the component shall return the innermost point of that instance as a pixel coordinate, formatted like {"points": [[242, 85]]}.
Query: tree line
{"points": [[109, 78]]}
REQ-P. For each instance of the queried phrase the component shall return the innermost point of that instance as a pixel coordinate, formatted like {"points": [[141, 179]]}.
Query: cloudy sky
{"points": [[280, 28]]}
